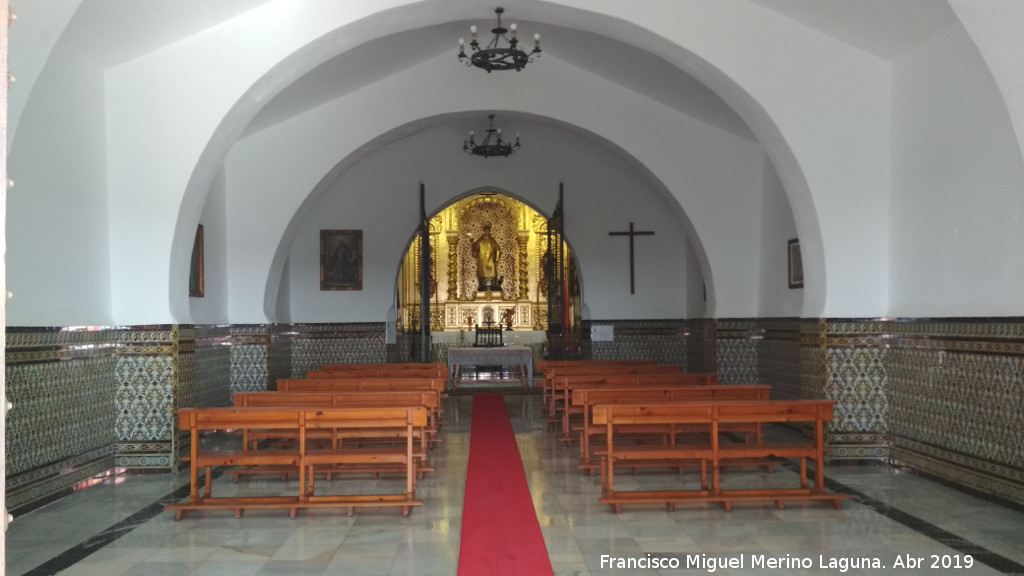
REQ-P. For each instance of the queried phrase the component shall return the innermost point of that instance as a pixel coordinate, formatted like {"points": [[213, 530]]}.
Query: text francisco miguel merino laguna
{"points": [[712, 563]]}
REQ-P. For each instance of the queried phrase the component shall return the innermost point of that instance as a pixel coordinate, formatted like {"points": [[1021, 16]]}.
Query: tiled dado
{"points": [[661, 340], [90, 400], [61, 428], [854, 373], [249, 357], [151, 363], [944, 396], [956, 401], [737, 350], [297, 348]]}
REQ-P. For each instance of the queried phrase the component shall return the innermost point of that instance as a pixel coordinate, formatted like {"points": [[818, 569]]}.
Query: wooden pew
{"points": [[361, 383], [543, 365], [356, 421], [384, 366], [596, 371], [424, 371], [409, 383], [584, 399], [562, 410], [713, 452], [340, 399], [198, 421]]}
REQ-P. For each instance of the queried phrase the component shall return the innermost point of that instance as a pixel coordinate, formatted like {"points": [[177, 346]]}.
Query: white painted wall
{"points": [[168, 118], [58, 257], [958, 239], [777, 299], [844, 153], [714, 173], [379, 195]]}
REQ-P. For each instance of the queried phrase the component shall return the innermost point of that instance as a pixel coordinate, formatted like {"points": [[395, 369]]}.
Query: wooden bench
{"points": [[340, 399], [712, 452], [424, 371], [548, 368], [584, 399], [384, 366], [361, 383], [551, 399], [561, 409], [198, 421], [408, 383], [427, 398], [543, 365]]}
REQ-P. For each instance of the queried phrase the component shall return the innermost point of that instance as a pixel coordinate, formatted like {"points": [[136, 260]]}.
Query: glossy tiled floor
{"points": [[117, 527]]}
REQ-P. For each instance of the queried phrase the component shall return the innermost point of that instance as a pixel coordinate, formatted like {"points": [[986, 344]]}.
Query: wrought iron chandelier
{"points": [[496, 56], [492, 144]]}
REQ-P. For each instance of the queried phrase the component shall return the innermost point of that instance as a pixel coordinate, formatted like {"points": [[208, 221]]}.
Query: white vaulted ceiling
{"points": [[104, 33]]}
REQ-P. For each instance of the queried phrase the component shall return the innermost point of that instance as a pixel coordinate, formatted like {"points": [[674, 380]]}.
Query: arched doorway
{"points": [[460, 301]]}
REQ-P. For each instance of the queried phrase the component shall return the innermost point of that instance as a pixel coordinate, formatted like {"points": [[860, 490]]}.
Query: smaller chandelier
{"points": [[492, 144], [495, 56]]}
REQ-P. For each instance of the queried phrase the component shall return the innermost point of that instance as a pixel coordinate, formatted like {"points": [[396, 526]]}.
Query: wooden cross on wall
{"points": [[631, 234]]}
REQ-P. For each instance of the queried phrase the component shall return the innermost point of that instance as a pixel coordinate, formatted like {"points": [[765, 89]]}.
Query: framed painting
{"points": [[796, 264], [341, 259], [197, 272]]}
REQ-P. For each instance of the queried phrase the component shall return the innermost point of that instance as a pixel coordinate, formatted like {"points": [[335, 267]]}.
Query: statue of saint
{"points": [[487, 253]]}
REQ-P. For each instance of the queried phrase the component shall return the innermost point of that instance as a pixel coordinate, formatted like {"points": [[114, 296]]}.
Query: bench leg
{"points": [[208, 488]]}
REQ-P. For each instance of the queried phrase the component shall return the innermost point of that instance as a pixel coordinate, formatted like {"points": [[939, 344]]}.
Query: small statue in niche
{"points": [[507, 317]]}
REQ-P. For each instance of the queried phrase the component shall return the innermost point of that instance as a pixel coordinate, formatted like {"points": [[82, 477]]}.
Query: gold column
{"points": [[524, 271], [453, 266]]}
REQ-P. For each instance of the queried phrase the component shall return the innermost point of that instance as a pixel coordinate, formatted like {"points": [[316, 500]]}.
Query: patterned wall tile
{"points": [[779, 357], [957, 398], [213, 366], [61, 429], [702, 345], [313, 345], [279, 353], [61, 410], [664, 341], [737, 348], [945, 396]]}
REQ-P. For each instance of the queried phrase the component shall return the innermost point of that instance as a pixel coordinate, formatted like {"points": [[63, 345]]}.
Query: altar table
{"points": [[520, 356]]}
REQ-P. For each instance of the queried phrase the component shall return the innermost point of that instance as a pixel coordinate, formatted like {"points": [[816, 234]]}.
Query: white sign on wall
{"points": [[602, 333]]}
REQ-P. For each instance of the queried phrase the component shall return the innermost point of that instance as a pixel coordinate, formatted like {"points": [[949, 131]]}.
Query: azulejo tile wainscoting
{"points": [[661, 340], [944, 396], [91, 400]]}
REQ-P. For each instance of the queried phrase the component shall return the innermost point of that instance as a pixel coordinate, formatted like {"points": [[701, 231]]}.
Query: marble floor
{"points": [[117, 526]]}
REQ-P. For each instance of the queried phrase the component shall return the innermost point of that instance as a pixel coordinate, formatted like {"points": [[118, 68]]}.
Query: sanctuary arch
{"points": [[518, 299]]}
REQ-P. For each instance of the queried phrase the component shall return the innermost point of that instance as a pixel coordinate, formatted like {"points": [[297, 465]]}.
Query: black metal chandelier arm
{"points": [[495, 56]]}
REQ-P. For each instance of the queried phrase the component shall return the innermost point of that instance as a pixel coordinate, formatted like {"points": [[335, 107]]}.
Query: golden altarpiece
{"points": [[517, 298]]}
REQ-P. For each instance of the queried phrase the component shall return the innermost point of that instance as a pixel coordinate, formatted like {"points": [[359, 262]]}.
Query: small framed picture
{"points": [[196, 273], [341, 259], [796, 265]]}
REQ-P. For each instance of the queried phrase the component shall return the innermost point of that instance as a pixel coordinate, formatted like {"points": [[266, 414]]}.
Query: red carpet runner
{"points": [[500, 533]]}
